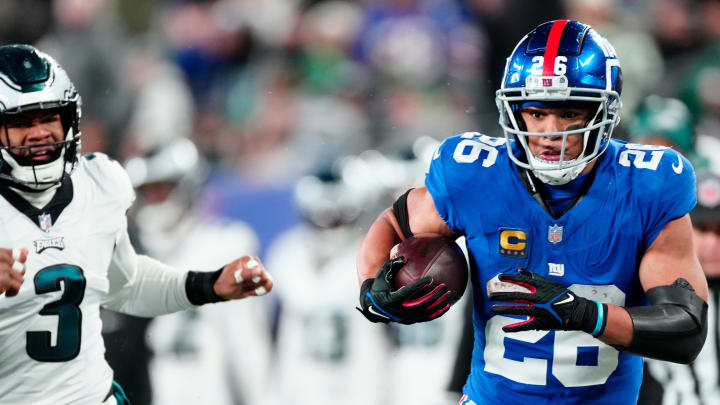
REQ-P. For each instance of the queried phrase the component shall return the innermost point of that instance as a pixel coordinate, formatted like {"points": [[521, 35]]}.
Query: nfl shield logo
{"points": [[45, 222], [555, 233]]}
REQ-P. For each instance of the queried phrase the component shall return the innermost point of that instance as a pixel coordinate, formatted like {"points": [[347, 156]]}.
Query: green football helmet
{"points": [[29, 81]]}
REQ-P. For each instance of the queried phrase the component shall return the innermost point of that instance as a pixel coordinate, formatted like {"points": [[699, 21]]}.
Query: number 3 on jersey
{"points": [[67, 308]]}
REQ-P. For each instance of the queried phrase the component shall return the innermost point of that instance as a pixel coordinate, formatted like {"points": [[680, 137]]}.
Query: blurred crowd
{"points": [[281, 128]]}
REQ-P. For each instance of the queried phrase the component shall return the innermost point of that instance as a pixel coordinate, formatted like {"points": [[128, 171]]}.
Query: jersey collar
{"points": [[62, 198]]}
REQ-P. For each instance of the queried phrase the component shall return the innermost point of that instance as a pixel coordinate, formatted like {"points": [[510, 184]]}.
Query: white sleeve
{"points": [[143, 286]]}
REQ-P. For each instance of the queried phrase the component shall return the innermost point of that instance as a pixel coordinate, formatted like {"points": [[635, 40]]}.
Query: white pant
{"points": [[110, 401]]}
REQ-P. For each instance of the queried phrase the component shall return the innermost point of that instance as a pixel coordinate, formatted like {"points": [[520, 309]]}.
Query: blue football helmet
{"points": [[568, 63]]}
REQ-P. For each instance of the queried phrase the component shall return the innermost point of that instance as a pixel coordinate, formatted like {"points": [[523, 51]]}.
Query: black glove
{"points": [[415, 302], [551, 306]]}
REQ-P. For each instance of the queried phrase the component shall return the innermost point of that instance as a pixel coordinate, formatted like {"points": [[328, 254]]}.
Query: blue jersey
{"points": [[594, 248]]}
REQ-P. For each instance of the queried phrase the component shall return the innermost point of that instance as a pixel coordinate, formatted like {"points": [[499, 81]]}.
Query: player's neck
{"points": [[589, 166], [38, 199]]}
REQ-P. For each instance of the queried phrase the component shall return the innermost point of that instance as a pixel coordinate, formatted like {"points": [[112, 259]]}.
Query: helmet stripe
{"points": [[551, 47]]}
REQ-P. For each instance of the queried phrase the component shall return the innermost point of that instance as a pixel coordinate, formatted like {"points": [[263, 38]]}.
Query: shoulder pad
{"points": [[654, 170], [653, 161], [471, 148], [462, 166], [661, 181], [110, 177]]}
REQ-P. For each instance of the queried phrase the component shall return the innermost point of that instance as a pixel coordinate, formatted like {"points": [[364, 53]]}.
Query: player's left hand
{"points": [[415, 302], [548, 305], [243, 277]]}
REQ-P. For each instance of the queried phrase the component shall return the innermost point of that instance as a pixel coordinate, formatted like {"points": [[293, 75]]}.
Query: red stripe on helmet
{"points": [[551, 47]]}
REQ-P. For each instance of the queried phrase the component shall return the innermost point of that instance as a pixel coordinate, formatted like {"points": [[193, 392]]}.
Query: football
{"points": [[432, 255]]}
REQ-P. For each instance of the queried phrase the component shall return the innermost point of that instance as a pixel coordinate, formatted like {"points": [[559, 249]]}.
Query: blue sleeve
{"points": [[436, 181], [671, 193]]}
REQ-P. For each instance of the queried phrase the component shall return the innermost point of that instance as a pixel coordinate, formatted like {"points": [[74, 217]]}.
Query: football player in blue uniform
{"points": [[580, 246]]}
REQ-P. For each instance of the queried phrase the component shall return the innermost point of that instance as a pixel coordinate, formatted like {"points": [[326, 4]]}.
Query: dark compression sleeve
{"points": [[674, 326], [401, 214], [199, 287]]}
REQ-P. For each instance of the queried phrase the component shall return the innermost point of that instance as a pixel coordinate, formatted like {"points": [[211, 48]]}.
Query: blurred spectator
{"points": [[698, 383], [673, 24], [36, 20], [287, 115], [709, 16], [426, 60], [710, 143], [162, 107], [701, 91], [666, 122], [642, 64], [204, 49], [327, 118], [88, 43]]}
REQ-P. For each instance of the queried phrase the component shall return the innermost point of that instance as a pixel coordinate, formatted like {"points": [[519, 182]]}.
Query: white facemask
{"points": [[161, 226], [161, 217], [554, 177], [37, 177]]}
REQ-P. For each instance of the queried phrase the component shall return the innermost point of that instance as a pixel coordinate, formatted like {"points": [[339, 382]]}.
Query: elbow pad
{"points": [[674, 326]]}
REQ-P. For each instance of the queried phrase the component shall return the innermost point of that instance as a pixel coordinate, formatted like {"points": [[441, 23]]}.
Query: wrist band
{"points": [[199, 287], [601, 319]]}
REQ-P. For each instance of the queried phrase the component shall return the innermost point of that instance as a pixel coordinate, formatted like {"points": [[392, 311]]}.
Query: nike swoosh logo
{"points": [[374, 312], [570, 298], [679, 168]]}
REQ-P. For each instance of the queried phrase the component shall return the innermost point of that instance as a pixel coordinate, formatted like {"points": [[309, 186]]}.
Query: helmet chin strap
{"points": [[554, 177], [560, 176], [37, 177]]}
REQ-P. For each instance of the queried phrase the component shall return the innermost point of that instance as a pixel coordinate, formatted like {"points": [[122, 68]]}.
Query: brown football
{"points": [[432, 255]]}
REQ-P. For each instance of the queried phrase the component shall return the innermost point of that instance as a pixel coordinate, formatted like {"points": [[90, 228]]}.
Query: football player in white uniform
{"points": [[424, 353], [200, 347], [324, 347], [65, 248]]}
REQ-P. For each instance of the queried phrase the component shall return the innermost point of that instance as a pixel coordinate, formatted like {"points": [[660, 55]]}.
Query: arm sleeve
{"points": [[143, 286]]}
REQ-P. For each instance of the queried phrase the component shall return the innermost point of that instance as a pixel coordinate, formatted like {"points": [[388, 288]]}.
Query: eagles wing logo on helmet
{"points": [[561, 61], [29, 81]]}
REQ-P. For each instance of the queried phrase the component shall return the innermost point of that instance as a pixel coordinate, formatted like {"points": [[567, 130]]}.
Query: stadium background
{"points": [[313, 116]]}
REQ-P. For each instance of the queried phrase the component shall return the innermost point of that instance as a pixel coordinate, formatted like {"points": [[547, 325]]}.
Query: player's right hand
{"points": [[12, 270], [413, 303], [547, 304], [242, 278]]}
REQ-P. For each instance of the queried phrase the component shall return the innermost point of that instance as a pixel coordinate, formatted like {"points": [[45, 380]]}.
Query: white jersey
{"points": [[51, 349], [327, 352], [423, 357], [214, 354]]}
